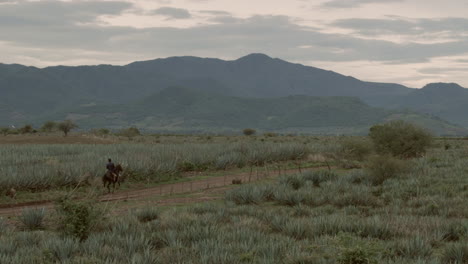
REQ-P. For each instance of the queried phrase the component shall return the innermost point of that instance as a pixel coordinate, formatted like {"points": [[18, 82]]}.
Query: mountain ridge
{"points": [[28, 92]]}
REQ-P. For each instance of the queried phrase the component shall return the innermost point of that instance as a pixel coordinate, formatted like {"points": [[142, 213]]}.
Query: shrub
{"points": [[354, 148], [249, 131], [33, 219], [5, 131], [101, 131], [381, 168], [49, 126], [130, 132], [357, 256], [147, 214], [400, 139], [27, 129], [77, 218]]}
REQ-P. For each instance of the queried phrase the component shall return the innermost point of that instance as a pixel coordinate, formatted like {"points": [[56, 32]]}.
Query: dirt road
{"points": [[195, 186]]}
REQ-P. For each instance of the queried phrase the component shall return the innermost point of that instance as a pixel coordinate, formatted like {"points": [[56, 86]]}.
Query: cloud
{"points": [[52, 26], [355, 3], [172, 13], [441, 70], [50, 13], [453, 27], [215, 12]]}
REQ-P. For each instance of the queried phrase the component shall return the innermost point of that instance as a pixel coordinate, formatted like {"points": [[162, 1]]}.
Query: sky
{"points": [[411, 42]]}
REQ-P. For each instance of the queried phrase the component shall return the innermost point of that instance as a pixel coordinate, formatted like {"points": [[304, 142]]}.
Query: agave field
{"points": [[42, 167], [418, 215]]}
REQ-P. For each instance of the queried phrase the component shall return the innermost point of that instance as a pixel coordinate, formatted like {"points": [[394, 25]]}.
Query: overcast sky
{"points": [[412, 42]]}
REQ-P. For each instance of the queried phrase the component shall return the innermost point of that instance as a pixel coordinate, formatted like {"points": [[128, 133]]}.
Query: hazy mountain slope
{"points": [[446, 100], [222, 94], [188, 110], [32, 90], [258, 75]]}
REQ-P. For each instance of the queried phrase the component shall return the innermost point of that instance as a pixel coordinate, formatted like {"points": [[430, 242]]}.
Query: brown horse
{"points": [[112, 178]]}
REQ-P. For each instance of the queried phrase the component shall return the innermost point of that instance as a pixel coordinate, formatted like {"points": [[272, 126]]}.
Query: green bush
{"points": [[400, 139], [77, 218], [380, 168], [5, 130], [27, 129], [49, 126], [249, 131], [130, 132], [100, 131], [354, 148], [33, 219], [357, 256], [147, 214]]}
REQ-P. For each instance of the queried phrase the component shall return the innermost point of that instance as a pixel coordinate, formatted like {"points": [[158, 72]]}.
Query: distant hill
{"points": [[31, 90], [255, 90], [178, 109], [446, 100]]}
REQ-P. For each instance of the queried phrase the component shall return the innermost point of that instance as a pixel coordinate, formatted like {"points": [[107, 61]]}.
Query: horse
{"points": [[113, 178]]}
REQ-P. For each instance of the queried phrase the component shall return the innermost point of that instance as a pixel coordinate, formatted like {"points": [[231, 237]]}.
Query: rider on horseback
{"points": [[111, 168]]}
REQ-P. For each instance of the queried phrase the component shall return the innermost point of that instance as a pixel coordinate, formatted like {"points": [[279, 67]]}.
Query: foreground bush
{"points": [[353, 148], [77, 218], [147, 214], [382, 168], [400, 139]]}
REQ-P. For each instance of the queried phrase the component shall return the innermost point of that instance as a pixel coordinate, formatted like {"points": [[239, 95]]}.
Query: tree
{"points": [[49, 126], [400, 139], [249, 131], [101, 131], [5, 131], [130, 132], [66, 126], [26, 129]]}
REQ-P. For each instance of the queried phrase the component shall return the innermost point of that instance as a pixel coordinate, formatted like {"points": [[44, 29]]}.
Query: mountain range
{"points": [[204, 94]]}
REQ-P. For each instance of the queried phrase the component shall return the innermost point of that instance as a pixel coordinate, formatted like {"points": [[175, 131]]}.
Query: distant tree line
{"points": [[50, 126], [66, 127]]}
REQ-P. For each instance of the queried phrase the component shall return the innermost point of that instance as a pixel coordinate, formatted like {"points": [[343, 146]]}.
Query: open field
{"points": [[308, 216], [39, 167]]}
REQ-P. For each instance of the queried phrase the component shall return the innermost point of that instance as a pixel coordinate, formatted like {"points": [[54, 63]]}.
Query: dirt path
{"points": [[195, 186]]}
